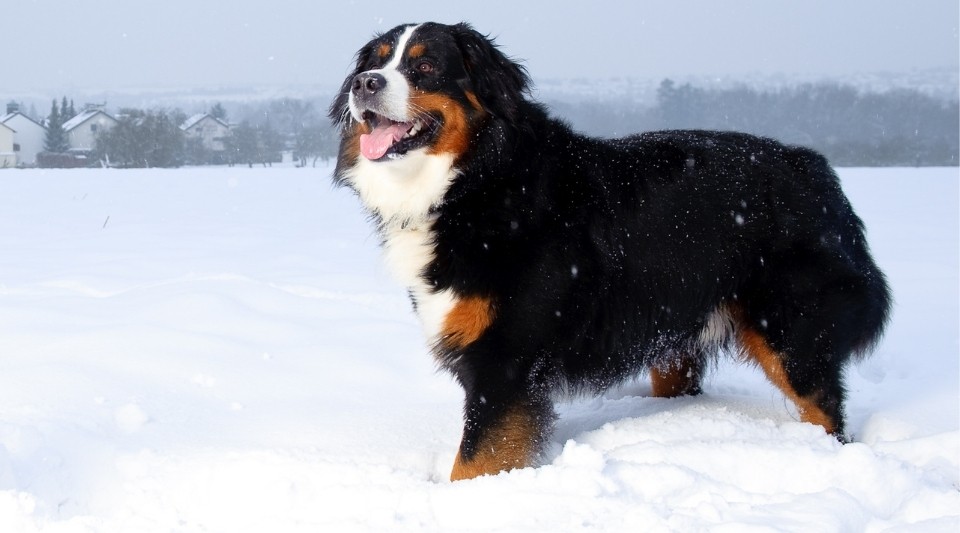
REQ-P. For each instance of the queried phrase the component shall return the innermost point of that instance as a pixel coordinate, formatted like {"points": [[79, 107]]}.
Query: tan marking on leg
{"points": [[757, 349], [510, 444], [678, 378], [466, 321]]}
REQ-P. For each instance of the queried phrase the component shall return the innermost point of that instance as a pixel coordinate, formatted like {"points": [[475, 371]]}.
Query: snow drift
{"points": [[219, 349]]}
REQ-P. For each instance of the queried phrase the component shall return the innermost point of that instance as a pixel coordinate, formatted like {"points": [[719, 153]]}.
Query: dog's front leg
{"points": [[501, 432]]}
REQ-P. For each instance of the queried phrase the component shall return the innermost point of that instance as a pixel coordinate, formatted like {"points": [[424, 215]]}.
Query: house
{"points": [[210, 130], [8, 158], [82, 130], [28, 137]]}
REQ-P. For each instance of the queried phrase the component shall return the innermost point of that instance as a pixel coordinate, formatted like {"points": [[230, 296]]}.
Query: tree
{"points": [[314, 142], [55, 140], [195, 153], [142, 139], [681, 107], [249, 144], [164, 140], [270, 145], [241, 144], [218, 112]]}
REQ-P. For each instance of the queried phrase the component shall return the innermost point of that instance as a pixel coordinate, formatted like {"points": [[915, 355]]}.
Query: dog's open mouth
{"points": [[389, 139]]}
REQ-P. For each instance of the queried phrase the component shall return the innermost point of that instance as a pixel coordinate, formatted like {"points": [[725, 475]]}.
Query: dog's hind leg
{"points": [[802, 323], [817, 392], [678, 375]]}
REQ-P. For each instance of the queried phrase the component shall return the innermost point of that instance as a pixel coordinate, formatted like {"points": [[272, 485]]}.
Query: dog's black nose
{"points": [[369, 83]]}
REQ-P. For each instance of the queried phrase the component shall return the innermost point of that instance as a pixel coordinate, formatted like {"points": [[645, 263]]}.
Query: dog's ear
{"points": [[499, 82], [339, 112]]}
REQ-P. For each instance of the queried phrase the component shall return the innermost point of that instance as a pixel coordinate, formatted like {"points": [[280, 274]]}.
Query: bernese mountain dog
{"points": [[542, 261]]}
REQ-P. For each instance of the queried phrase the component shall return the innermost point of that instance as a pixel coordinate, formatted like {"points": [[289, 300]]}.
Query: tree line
{"points": [[143, 138], [153, 138], [852, 128]]}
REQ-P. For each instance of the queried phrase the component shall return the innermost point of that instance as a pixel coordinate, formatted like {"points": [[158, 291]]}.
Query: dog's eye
{"points": [[425, 67]]}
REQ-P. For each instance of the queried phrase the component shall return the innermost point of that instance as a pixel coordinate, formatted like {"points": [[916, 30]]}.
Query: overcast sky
{"points": [[121, 44]]}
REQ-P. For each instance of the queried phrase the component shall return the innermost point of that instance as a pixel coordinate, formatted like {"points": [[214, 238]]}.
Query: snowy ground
{"points": [[220, 350]]}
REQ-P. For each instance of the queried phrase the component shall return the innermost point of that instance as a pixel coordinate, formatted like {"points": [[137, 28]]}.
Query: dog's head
{"points": [[423, 90]]}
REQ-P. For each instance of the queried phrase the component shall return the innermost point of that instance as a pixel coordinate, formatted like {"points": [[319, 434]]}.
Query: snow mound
{"points": [[219, 349]]}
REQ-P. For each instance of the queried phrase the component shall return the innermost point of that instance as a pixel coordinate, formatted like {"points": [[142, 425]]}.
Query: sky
{"points": [[96, 45]]}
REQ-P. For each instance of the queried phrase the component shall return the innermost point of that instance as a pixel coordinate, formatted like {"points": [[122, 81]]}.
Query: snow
{"points": [[221, 349], [192, 121]]}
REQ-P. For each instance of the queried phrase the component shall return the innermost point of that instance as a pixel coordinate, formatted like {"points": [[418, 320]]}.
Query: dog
{"points": [[542, 262]]}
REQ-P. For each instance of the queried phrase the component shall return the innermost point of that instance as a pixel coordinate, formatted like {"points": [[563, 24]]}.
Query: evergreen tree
{"points": [[65, 110], [56, 139], [54, 117], [218, 112]]}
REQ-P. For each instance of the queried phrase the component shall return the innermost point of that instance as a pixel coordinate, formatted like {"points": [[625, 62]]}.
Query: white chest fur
{"points": [[402, 190], [402, 193], [407, 251]]}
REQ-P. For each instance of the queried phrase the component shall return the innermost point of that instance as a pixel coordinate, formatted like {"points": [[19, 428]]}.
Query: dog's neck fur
{"points": [[403, 192]]}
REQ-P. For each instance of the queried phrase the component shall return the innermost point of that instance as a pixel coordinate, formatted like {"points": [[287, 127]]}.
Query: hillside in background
{"points": [[899, 127]]}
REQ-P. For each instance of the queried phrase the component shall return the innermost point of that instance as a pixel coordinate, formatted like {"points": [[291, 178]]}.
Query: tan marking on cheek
{"points": [[510, 444], [467, 321], [384, 50], [454, 138], [417, 50]]}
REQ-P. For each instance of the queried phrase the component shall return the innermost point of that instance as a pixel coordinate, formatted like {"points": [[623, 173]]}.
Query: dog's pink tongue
{"points": [[376, 143]]}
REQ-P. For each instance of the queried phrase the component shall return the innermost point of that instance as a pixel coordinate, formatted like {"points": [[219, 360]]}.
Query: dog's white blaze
{"points": [[396, 94], [393, 102], [717, 329], [400, 48]]}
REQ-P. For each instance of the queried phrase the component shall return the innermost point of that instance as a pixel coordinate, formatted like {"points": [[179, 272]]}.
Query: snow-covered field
{"points": [[221, 350]]}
